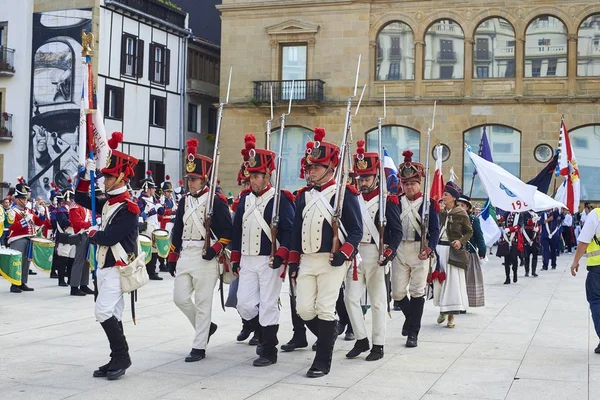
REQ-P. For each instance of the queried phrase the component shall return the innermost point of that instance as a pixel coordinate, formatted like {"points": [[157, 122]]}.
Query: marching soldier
{"points": [[318, 275], [411, 265], [372, 270], [166, 219], [79, 276], [510, 245], [197, 271], [151, 210], [551, 223], [259, 277], [530, 230], [21, 230], [118, 229]]}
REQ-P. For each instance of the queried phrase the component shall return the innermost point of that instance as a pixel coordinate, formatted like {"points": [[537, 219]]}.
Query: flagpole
{"points": [[87, 42]]}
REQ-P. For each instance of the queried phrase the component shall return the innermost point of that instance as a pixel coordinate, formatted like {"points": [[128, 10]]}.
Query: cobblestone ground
{"points": [[533, 340]]}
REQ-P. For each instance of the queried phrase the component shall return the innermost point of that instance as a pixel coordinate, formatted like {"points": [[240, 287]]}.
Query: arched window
{"points": [[294, 143], [395, 53], [586, 142], [588, 47], [545, 47], [395, 139], [494, 49], [444, 50], [505, 144]]}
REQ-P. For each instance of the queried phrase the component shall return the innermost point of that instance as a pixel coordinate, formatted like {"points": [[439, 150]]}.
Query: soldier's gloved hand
{"points": [[294, 269], [339, 259], [277, 262], [172, 263], [209, 254], [388, 255], [235, 268]]}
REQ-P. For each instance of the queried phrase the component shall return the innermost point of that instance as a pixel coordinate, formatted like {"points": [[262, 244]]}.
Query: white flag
{"points": [[102, 149], [505, 190], [82, 122]]}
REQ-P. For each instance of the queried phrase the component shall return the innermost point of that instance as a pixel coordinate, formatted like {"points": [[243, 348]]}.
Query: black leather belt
{"points": [[444, 243]]}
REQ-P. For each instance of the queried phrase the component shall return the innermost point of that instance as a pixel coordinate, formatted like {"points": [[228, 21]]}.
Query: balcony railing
{"points": [[309, 90], [446, 57], [557, 49], [5, 126], [483, 55], [7, 61], [167, 11]]}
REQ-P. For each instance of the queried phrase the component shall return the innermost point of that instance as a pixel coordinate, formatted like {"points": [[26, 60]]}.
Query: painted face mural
{"points": [[56, 80]]}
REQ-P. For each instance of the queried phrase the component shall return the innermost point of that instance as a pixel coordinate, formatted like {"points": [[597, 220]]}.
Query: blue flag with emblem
{"points": [[485, 151]]}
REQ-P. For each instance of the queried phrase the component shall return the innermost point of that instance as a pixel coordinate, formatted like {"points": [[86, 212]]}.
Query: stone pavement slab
{"points": [[533, 340]]}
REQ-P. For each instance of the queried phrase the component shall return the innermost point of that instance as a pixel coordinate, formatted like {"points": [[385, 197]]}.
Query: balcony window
{"points": [[505, 144], [395, 53], [546, 48], [159, 65], [444, 51], [158, 111], [113, 102], [588, 47], [494, 50], [293, 67]]}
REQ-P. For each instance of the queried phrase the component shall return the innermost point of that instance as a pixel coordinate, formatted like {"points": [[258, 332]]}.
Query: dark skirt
{"points": [[475, 282]]}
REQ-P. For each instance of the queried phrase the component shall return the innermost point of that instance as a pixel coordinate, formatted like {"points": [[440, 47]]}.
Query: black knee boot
{"points": [[248, 326], [527, 261], [506, 271], [404, 305], [326, 339], [414, 324], [514, 269], [298, 340], [534, 261], [120, 360], [268, 354], [151, 269], [61, 270]]}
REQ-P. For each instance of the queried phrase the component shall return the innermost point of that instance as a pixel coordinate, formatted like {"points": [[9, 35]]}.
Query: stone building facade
{"points": [[512, 67]]}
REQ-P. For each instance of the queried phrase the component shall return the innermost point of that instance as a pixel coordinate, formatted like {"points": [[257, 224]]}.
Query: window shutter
{"points": [[167, 66], [163, 112], [139, 59], [123, 54], [107, 91], [120, 103], [151, 61]]}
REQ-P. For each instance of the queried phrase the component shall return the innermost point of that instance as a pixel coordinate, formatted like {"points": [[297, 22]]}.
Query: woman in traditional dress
{"points": [[476, 248], [451, 294]]}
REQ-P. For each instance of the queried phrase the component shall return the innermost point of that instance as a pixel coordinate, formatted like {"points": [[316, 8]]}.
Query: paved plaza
{"points": [[533, 340]]}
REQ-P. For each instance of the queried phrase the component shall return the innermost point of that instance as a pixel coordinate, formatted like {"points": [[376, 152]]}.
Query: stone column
{"points": [[572, 63], [468, 60], [519, 64], [419, 66], [274, 59]]}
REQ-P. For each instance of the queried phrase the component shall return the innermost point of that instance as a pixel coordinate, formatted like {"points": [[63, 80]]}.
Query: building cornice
{"points": [[281, 4]]}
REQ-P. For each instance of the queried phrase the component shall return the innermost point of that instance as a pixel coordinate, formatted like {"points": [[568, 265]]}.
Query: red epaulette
{"points": [[302, 190], [289, 195], [393, 198], [133, 207], [235, 204], [353, 189], [222, 197], [244, 191]]}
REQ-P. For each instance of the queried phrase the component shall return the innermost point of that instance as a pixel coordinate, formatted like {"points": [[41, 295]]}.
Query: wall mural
{"points": [[55, 97]]}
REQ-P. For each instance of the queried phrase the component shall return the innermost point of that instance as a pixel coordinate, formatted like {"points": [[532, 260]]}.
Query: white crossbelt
{"points": [[191, 213], [253, 210], [318, 199], [530, 241], [412, 212], [550, 234], [366, 217]]}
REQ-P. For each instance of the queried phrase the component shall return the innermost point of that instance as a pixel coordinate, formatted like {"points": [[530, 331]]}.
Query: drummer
{"points": [[22, 229], [79, 219], [166, 220], [151, 209]]}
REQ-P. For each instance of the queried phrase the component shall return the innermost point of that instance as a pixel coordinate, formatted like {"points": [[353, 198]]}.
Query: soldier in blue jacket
{"points": [[411, 266], [550, 222], [318, 276], [260, 276], [119, 227]]}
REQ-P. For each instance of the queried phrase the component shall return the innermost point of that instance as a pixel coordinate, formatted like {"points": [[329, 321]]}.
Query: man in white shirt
{"points": [[567, 230]]}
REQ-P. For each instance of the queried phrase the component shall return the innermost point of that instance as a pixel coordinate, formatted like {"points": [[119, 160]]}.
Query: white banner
{"points": [[102, 149]]}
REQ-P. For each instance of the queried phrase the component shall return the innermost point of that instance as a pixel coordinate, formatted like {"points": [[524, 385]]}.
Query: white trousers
{"points": [[372, 277], [318, 286], [110, 297], [258, 290], [409, 274], [197, 277]]}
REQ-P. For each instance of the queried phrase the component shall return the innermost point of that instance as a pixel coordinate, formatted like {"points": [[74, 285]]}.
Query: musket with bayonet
{"points": [[277, 196], [214, 172], [341, 174], [426, 190], [383, 192], [268, 147]]}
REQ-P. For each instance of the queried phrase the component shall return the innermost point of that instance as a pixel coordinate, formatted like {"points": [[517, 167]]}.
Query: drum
{"points": [[10, 265], [160, 240], [146, 245], [42, 252]]}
